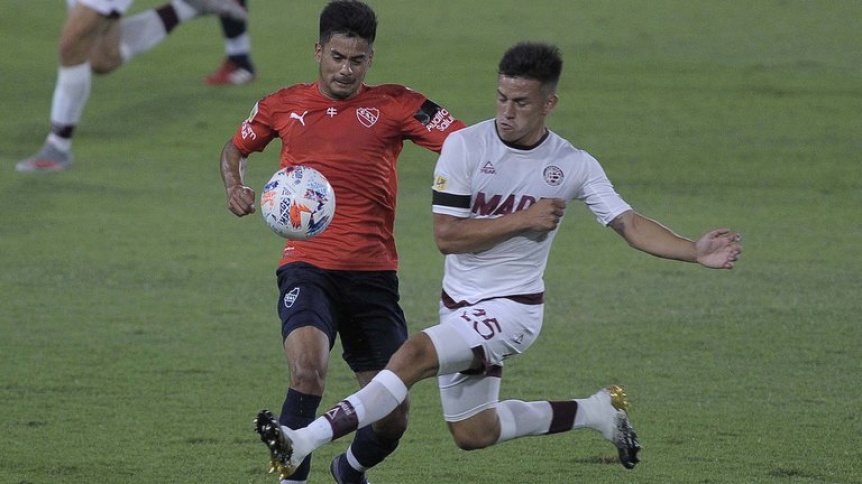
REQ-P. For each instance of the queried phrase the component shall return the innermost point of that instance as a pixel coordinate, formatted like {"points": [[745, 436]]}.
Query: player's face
{"points": [[343, 62], [522, 106]]}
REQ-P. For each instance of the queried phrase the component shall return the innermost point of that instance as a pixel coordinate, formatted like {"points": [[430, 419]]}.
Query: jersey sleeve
{"points": [[255, 133], [428, 124], [451, 193], [599, 195]]}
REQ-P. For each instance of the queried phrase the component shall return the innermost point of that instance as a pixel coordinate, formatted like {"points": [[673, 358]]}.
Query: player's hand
{"points": [[241, 200], [719, 249], [545, 214]]}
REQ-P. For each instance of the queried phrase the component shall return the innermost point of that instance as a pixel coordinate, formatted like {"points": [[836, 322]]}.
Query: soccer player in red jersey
{"points": [[343, 282]]}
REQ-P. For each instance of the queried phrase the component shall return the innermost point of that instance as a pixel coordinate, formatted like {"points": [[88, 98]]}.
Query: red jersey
{"points": [[355, 143]]}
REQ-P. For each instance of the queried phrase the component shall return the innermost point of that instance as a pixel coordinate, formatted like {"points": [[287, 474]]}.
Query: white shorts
{"points": [[494, 329], [104, 7]]}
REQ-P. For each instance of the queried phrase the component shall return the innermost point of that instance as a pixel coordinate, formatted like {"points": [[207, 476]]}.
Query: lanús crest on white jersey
{"points": [[553, 175]]}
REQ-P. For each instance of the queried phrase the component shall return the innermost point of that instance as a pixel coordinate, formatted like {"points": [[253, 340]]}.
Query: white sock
{"points": [[351, 459], [238, 45], [596, 413], [520, 419], [61, 144], [70, 94], [373, 402], [140, 33]]}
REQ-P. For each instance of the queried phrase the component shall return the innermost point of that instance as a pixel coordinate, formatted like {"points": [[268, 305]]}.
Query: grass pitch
{"points": [[138, 334]]}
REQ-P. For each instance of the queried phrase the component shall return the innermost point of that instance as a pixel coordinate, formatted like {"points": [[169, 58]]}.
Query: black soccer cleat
{"points": [[279, 445]]}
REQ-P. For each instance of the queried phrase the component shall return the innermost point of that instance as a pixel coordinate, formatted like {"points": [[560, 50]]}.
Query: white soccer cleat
{"points": [[222, 8], [619, 429], [47, 160]]}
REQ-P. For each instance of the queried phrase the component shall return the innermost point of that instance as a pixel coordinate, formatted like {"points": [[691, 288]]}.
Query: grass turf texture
{"points": [[138, 335]]}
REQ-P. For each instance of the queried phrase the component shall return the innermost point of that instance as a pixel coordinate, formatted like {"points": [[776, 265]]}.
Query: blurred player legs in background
{"points": [[236, 68], [96, 39]]}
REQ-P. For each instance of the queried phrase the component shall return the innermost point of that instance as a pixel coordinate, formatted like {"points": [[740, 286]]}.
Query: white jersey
{"points": [[479, 176]]}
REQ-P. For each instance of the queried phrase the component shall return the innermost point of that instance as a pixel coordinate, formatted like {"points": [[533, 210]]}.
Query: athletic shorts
{"points": [[361, 307], [494, 330], [108, 8]]}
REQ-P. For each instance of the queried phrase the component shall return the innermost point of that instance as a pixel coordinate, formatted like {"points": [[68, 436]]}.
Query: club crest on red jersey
{"points": [[367, 116]]}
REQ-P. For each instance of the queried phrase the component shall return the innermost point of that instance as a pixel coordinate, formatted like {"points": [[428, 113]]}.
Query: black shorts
{"points": [[360, 306]]}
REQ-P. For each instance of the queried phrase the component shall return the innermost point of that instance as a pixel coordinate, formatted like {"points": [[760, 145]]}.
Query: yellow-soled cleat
{"points": [[279, 445], [625, 438]]}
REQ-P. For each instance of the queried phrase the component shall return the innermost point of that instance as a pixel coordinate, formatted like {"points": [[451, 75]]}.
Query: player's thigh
{"points": [[465, 398], [306, 298], [105, 56], [372, 326], [308, 325], [81, 33]]}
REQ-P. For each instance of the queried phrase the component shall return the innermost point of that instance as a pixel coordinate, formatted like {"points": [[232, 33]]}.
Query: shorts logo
{"points": [[440, 183], [291, 297], [367, 116], [553, 175]]}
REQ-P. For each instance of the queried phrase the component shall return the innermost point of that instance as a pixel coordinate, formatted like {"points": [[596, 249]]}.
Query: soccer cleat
{"points": [[624, 436], [279, 445], [49, 159], [336, 472], [222, 8], [229, 73]]}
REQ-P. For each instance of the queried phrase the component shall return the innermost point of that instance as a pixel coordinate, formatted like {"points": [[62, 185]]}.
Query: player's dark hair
{"points": [[533, 60], [348, 17]]}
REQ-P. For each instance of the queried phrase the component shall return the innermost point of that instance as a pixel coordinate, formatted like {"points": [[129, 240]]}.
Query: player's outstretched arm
{"points": [[463, 235], [717, 249], [240, 198]]}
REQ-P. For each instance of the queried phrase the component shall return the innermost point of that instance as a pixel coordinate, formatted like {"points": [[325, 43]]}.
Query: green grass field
{"points": [[138, 335]]}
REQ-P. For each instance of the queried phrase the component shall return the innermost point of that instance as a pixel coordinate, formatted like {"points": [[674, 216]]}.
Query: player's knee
{"points": [[472, 437], [308, 378], [415, 360], [70, 52], [472, 441], [104, 64]]}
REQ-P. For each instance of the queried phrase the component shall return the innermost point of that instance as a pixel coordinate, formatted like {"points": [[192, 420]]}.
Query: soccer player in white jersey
{"points": [[500, 191], [96, 39]]}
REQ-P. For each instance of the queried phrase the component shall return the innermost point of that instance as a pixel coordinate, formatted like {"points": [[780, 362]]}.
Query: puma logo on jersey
{"points": [[300, 118]]}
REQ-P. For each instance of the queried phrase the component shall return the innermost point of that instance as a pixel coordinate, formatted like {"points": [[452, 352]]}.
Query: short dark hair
{"points": [[348, 17], [533, 60]]}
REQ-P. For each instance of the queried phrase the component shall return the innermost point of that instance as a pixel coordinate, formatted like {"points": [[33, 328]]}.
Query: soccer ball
{"points": [[298, 202]]}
